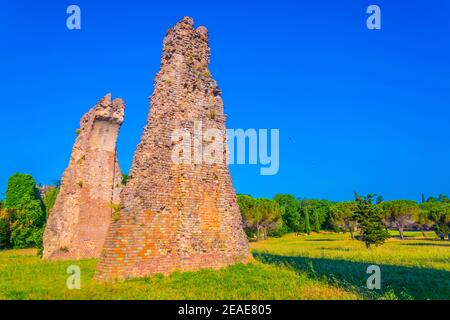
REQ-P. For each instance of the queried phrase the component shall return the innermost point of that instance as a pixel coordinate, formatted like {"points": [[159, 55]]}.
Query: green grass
{"points": [[24, 276], [320, 266], [414, 268]]}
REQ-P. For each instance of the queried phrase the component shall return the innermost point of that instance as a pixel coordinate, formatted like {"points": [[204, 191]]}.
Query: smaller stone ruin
{"points": [[79, 221]]}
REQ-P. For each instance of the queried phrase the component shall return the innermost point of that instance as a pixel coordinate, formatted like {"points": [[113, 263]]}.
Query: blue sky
{"points": [[358, 110]]}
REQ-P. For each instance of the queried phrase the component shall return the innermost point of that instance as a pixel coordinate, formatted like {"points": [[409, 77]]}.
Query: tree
{"points": [[443, 198], [440, 215], [400, 213], [424, 218], [292, 219], [125, 178], [249, 214], [57, 183], [4, 228], [20, 187], [49, 195], [26, 209], [49, 199], [315, 213], [307, 220], [270, 215], [369, 218], [320, 215], [316, 221], [259, 216], [379, 200], [343, 216]]}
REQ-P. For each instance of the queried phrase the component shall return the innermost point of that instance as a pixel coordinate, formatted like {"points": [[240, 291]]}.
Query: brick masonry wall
{"points": [[177, 216], [79, 221]]}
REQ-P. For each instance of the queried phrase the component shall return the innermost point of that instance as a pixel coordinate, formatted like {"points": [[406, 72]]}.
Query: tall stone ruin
{"points": [[78, 223], [177, 216]]}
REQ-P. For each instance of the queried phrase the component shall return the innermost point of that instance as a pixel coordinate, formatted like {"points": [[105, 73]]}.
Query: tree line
{"points": [[26, 207], [369, 215]]}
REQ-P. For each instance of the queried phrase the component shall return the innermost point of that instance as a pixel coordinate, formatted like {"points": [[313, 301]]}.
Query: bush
{"points": [[373, 232], [292, 219], [26, 224], [26, 212], [49, 199], [4, 229], [125, 178]]}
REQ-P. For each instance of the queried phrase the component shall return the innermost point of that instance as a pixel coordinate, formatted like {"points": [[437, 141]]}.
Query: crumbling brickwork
{"points": [[79, 221], [177, 216]]}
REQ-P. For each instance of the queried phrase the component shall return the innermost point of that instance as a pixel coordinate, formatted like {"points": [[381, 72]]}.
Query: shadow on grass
{"points": [[396, 281]]}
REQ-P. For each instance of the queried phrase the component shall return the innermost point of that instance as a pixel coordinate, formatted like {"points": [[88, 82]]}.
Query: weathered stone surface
{"points": [[79, 221], [177, 216]]}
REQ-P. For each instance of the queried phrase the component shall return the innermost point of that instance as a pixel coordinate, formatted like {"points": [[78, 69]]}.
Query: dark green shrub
{"points": [[27, 215]]}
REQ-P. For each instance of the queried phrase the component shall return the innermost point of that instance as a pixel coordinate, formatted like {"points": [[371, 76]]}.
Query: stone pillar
{"points": [[177, 216], [90, 188]]}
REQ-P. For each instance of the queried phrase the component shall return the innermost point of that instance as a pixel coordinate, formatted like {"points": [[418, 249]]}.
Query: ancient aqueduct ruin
{"points": [[169, 216]]}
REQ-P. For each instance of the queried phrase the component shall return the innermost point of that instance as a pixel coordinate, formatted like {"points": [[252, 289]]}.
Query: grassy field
{"points": [[415, 268], [318, 266]]}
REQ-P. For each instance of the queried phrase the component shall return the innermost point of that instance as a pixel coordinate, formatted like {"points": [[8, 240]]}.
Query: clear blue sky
{"points": [[358, 110]]}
